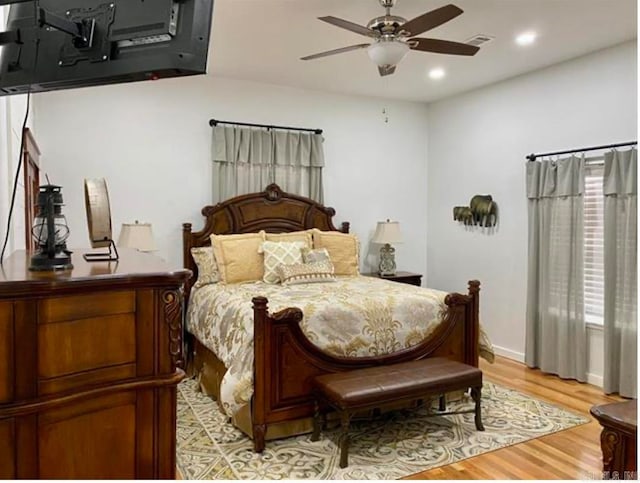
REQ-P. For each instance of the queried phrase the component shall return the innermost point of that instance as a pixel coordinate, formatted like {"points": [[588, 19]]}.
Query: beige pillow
{"points": [[238, 258], [303, 236], [280, 253], [207, 267], [306, 273], [316, 255], [343, 248]]}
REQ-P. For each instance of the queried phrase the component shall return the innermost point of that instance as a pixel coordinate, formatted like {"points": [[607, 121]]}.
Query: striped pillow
{"points": [[307, 273]]}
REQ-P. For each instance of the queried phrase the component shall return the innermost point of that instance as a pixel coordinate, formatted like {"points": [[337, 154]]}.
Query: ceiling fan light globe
{"points": [[387, 52]]}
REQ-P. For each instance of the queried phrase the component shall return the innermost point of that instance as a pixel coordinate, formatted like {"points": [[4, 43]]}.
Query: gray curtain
{"points": [[246, 160], [556, 339], [620, 272]]}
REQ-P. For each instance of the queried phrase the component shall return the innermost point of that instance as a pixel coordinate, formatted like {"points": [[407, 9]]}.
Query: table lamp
{"points": [[137, 235], [387, 232]]}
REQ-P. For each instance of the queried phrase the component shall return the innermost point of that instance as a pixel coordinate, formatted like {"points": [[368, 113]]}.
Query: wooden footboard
{"points": [[286, 361]]}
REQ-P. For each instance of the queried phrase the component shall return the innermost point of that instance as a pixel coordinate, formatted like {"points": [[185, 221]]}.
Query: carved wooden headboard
{"points": [[272, 210]]}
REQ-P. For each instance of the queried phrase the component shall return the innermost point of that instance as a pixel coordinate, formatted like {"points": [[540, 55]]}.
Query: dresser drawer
{"points": [[74, 353], [59, 309], [99, 438]]}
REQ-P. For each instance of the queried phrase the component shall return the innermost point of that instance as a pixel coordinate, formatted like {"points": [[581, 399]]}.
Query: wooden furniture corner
{"points": [[618, 439], [401, 277], [89, 364]]}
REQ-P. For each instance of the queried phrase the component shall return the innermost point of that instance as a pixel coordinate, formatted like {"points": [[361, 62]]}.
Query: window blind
{"points": [[594, 244]]}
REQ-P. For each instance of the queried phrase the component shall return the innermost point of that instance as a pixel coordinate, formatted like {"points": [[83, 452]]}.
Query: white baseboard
{"points": [[509, 354], [595, 379]]}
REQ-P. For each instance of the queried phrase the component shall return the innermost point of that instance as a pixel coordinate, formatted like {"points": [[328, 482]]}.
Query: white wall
{"points": [[151, 141], [477, 145]]}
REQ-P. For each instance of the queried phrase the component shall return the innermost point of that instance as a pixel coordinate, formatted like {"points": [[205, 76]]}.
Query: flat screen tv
{"points": [[63, 44]]}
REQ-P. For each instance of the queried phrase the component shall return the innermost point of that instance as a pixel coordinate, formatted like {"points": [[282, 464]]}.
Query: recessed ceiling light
{"points": [[437, 73], [526, 38]]}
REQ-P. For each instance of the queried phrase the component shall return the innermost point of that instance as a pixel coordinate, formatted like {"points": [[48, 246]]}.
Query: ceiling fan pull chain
{"points": [[386, 117]]}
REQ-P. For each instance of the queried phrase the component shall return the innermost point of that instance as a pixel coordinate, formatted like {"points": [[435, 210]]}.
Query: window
{"points": [[594, 244]]}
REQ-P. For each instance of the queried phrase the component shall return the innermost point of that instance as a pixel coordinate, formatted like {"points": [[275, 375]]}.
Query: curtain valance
{"points": [[247, 160], [554, 179], [233, 144], [621, 173]]}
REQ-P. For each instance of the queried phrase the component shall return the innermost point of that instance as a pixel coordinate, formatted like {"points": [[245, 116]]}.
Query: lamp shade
{"points": [[387, 52], [387, 232], [137, 235]]}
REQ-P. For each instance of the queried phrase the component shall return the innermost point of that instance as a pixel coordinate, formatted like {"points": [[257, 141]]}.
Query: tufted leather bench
{"points": [[370, 388]]}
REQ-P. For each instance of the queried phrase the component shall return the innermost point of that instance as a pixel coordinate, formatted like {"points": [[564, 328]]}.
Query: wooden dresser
{"points": [[88, 368]]}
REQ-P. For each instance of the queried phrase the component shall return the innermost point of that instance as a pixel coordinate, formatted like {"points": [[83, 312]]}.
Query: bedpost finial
{"points": [[186, 227], [259, 302], [474, 286], [273, 192]]}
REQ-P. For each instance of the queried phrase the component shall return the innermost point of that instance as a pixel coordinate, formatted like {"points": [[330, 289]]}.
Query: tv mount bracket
{"points": [[88, 30], [81, 32], [100, 50]]}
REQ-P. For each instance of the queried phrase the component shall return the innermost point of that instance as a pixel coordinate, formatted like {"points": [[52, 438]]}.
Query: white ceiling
{"points": [[262, 40]]}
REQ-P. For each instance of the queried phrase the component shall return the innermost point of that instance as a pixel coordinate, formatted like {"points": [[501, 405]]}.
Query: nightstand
{"points": [[402, 277]]}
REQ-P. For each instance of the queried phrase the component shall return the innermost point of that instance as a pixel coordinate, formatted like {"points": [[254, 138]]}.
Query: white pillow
{"points": [[280, 253]]}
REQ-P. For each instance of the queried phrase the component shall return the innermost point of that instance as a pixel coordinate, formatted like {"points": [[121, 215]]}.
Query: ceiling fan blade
{"points": [[335, 51], [443, 46], [386, 70], [345, 24], [431, 20]]}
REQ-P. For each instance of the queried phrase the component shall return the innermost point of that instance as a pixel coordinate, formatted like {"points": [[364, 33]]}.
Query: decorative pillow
{"points": [[316, 255], [238, 258], [303, 236], [307, 273], [280, 253], [207, 267], [343, 248]]}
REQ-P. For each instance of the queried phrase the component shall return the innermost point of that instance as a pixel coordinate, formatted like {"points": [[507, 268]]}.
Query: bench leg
{"points": [[345, 418], [259, 431], [316, 421], [476, 394], [442, 405]]}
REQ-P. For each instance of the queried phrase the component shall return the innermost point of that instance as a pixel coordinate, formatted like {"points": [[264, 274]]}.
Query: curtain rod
{"points": [[215, 122], [532, 157]]}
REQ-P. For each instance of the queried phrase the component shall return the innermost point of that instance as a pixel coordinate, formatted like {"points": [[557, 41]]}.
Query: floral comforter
{"points": [[352, 317]]}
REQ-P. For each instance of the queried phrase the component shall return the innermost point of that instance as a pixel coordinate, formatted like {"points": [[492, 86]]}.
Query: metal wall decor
{"points": [[482, 211]]}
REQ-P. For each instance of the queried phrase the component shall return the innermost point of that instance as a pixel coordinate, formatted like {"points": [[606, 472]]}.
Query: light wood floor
{"points": [[571, 454]]}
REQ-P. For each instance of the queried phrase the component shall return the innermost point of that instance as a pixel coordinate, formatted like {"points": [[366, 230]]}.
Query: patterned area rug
{"points": [[400, 443]]}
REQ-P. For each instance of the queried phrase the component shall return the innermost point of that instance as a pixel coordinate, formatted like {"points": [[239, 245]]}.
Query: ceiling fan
{"points": [[394, 36]]}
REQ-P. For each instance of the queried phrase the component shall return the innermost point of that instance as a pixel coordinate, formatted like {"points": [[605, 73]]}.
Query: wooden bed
{"points": [[284, 359]]}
